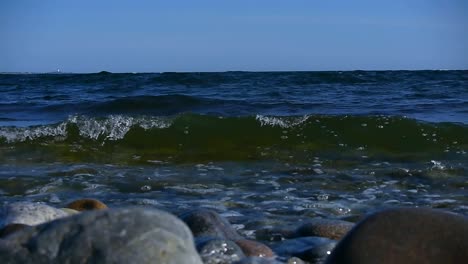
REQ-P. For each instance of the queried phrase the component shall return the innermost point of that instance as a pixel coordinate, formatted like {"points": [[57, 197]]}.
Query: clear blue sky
{"points": [[220, 35]]}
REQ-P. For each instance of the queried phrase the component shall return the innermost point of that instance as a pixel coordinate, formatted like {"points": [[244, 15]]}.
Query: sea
{"points": [[261, 148]]}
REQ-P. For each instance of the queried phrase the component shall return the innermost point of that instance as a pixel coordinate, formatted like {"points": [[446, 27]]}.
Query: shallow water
{"points": [[264, 149]]}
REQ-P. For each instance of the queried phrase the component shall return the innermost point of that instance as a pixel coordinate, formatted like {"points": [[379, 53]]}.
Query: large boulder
{"points": [[132, 235], [405, 235], [28, 213]]}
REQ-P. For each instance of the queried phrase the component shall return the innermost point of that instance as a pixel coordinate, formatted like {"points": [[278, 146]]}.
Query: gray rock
{"points": [[410, 235], [10, 229], [333, 229], [311, 249], [132, 235], [218, 251], [28, 213], [208, 223]]}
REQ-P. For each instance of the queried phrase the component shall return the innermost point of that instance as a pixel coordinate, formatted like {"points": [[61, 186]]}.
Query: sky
{"points": [[232, 35]]}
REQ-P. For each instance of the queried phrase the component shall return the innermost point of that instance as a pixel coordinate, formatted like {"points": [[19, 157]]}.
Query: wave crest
{"points": [[283, 122], [116, 126], [113, 127], [20, 134]]}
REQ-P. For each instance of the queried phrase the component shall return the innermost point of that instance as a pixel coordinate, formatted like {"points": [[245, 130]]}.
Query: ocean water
{"points": [[264, 148]]}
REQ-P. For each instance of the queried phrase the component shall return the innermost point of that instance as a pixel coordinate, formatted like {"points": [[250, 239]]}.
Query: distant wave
{"points": [[434, 96], [163, 104]]}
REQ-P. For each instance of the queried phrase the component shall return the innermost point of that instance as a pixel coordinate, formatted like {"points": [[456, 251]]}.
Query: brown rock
{"points": [[333, 229], [255, 249], [86, 204], [405, 235]]}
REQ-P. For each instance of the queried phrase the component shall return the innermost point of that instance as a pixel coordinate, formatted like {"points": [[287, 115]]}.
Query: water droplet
{"points": [[145, 188]]}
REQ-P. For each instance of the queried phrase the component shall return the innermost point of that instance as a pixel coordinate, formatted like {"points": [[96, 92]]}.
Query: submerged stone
{"points": [[257, 260], [253, 248], [405, 235], [132, 235], [208, 223], [311, 249], [333, 229], [275, 233], [218, 251]]}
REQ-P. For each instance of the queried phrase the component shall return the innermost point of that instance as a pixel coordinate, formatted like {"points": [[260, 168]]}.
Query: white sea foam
{"points": [[437, 165], [19, 134], [280, 121], [114, 127]]}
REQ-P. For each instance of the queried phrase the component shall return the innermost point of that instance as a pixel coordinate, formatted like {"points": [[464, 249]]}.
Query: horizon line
{"points": [[226, 71]]}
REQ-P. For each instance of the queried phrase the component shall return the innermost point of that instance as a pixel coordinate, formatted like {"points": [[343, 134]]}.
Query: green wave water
{"points": [[191, 137]]}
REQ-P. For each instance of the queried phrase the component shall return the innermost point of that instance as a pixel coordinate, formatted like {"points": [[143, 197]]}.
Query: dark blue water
{"points": [[434, 96], [269, 146]]}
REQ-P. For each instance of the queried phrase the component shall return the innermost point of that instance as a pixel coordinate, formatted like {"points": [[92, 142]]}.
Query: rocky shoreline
{"points": [[87, 231]]}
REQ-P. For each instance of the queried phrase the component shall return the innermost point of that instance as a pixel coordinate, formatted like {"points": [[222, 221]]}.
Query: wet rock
{"points": [[354, 218], [218, 251], [275, 233], [133, 235], [255, 249], [28, 213], [333, 229], [11, 228], [317, 254], [257, 260], [405, 235], [208, 223], [86, 204], [310, 249]]}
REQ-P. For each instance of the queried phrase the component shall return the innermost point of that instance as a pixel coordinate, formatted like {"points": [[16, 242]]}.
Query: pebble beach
{"points": [[87, 231]]}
